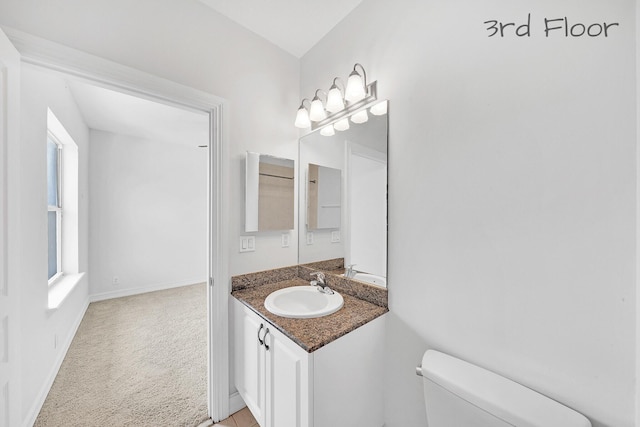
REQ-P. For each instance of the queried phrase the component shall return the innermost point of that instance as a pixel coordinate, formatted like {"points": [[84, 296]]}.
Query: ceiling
{"points": [[116, 112], [294, 25]]}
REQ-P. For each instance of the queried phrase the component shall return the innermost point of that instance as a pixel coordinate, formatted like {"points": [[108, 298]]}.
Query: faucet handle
{"points": [[319, 275], [350, 272]]}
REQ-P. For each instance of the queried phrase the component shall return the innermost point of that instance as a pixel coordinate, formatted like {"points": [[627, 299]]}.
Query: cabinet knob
{"points": [[261, 328], [266, 346]]}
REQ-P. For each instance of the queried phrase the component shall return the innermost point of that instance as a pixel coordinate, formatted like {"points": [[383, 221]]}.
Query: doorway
{"points": [[88, 69], [144, 171]]}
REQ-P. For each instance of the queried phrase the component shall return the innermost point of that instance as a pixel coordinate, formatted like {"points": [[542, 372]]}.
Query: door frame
{"points": [[110, 75], [10, 388]]}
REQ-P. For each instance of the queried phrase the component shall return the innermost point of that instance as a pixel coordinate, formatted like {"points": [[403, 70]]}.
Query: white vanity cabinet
{"points": [[250, 360], [338, 385], [272, 372]]}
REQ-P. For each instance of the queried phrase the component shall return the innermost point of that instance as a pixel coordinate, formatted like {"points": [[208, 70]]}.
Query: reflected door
{"points": [[367, 195]]}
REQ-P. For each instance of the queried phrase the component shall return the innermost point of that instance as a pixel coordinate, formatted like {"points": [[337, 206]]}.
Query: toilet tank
{"points": [[459, 394]]}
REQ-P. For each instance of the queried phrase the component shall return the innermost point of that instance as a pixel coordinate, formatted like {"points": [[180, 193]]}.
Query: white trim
{"points": [[56, 208], [98, 71], [30, 419], [236, 403], [220, 281], [637, 236], [54, 279], [119, 293], [10, 274], [60, 287]]}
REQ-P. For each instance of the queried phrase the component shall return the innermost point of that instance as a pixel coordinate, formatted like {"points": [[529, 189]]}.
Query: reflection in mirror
{"points": [[323, 197], [357, 233], [269, 193]]}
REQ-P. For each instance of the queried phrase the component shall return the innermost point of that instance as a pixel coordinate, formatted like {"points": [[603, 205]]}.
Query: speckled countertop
{"points": [[311, 334]]}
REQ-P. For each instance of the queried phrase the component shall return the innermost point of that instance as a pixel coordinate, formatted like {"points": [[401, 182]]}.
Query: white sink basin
{"points": [[302, 302], [370, 278]]}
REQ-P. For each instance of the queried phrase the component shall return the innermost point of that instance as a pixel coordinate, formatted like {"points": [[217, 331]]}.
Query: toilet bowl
{"points": [[459, 394]]}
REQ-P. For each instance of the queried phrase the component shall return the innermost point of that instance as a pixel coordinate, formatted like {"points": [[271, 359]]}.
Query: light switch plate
{"points": [[247, 243], [335, 236], [285, 240], [309, 238]]}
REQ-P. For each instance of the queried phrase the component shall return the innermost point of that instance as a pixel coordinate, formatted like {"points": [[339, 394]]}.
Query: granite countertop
{"points": [[311, 334]]}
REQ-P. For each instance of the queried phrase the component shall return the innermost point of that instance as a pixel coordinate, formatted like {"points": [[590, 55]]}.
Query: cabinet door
{"points": [[250, 359], [288, 382]]}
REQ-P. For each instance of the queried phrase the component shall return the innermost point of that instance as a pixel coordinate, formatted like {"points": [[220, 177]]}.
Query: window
{"points": [[55, 207], [63, 212]]}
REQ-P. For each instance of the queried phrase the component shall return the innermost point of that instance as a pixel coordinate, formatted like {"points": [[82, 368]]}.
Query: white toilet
{"points": [[459, 394]]}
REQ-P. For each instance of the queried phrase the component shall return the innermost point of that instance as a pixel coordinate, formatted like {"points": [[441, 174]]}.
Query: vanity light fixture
{"points": [[317, 112], [356, 85], [335, 101], [380, 109], [302, 118], [360, 117], [327, 131], [342, 124], [338, 107]]}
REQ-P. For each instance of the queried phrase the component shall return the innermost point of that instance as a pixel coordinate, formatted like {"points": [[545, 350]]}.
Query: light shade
{"points": [[317, 112], [335, 102], [360, 117], [355, 87], [342, 124], [379, 109], [327, 131], [302, 118]]}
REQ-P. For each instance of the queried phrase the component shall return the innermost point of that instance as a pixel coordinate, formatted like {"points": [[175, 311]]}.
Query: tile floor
{"points": [[242, 418]]}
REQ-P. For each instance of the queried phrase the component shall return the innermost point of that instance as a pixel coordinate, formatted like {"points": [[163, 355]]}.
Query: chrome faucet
{"points": [[350, 271], [319, 275], [320, 283]]}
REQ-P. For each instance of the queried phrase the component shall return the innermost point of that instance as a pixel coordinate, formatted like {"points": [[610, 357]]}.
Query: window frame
{"points": [[59, 210]]}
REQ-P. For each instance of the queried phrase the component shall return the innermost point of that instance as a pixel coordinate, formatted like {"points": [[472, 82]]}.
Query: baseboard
{"points": [[44, 391], [235, 403], [118, 293]]}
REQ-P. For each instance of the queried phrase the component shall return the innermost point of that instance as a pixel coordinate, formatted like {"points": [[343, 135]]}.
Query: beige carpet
{"points": [[135, 361]]}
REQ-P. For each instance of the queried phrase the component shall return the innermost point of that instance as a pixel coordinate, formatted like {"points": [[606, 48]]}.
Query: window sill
{"points": [[62, 287]]}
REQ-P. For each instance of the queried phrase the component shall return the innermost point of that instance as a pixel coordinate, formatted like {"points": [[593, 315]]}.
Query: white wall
{"points": [[148, 214], [189, 43], [512, 194], [40, 359]]}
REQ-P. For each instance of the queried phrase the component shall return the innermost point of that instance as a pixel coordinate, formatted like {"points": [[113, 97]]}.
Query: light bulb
{"points": [[355, 88], [379, 109], [302, 118], [360, 117], [327, 131], [317, 112], [335, 102], [342, 124]]}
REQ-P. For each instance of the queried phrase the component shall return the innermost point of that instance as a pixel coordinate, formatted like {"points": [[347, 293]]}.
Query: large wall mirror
{"points": [[342, 203], [269, 193]]}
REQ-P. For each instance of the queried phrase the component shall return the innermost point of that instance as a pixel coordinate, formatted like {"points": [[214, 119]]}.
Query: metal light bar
{"points": [[372, 96]]}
